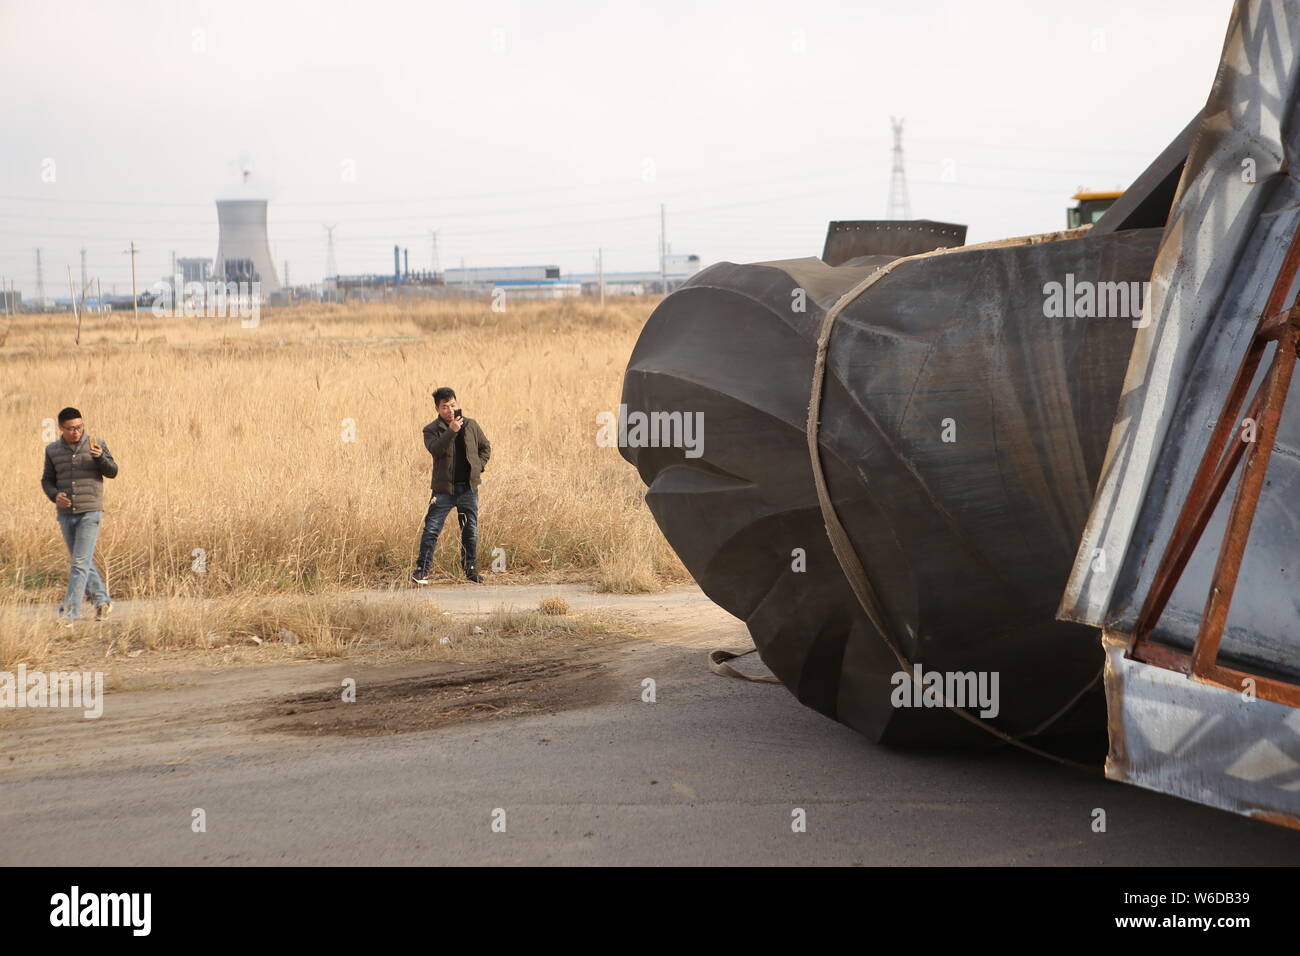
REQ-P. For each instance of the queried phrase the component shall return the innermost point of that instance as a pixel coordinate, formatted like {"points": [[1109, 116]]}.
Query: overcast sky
{"points": [[529, 133]]}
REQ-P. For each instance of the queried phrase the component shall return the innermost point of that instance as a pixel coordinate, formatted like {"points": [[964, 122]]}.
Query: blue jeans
{"points": [[80, 532], [465, 500]]}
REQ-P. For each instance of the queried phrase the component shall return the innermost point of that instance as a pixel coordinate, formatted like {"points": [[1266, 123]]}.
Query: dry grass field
{"points": [[287, 458]]}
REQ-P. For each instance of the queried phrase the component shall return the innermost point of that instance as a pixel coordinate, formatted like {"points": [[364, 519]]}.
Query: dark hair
{"points": [[68, 414], [442, 395]]}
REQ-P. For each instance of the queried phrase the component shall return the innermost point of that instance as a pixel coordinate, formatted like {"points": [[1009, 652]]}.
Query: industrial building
{"points": [[526, 282], [677, 269], [194, 270], [495, 275]]}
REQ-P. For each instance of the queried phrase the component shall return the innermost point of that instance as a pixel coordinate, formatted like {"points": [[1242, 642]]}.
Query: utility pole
{"points": [[135, 299], [72, 292], [331, 268], [40, 283], [9, 311], [663, 249], [600, 271], [899, 208]]}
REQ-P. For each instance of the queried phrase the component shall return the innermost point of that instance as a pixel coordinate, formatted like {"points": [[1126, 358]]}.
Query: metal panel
{"points": [[851, 238], [1199, 741]]}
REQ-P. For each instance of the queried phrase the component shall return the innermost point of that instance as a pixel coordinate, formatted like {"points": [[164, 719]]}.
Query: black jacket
{"points": [[440, 440]]}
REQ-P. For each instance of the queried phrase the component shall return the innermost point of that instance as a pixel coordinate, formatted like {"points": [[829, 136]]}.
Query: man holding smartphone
{"points": [[460, 452], [75, 468]]}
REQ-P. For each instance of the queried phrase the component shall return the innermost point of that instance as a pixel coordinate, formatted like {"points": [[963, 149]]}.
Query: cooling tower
{"points": [[243, 252]]}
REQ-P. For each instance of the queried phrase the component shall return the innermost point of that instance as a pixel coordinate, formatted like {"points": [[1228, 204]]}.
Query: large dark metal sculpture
{"points": [[962, 432]]}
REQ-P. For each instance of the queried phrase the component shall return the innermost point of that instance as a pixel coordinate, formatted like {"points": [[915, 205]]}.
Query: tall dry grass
{"points": [[288, 457]]}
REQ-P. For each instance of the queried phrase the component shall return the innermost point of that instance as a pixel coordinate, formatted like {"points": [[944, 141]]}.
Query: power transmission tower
{"points": [[899, 208], [331, 268], [83, 278], [433, 236], [40, 282]]}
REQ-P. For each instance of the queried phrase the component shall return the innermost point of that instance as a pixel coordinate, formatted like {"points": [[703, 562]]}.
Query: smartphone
{"points": [[458, 414]]}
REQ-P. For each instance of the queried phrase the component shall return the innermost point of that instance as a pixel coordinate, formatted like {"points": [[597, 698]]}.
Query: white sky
{"points": [[530, 133]]}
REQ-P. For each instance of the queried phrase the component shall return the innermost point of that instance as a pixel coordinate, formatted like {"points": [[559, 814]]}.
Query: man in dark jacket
{"points": [[75, 468], [460, 452]]}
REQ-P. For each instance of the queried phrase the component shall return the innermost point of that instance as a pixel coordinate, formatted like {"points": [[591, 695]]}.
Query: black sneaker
{"points": [[420, 577], [473, 576]]}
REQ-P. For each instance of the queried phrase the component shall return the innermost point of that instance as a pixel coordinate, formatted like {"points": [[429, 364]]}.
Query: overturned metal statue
{"points": [[919, 464]]}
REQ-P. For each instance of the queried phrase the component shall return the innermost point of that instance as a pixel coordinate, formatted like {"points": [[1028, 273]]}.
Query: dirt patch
{"points": [[435, 700], [169, 707]]}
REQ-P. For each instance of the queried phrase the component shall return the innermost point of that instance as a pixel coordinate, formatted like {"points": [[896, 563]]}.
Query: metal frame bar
{"points": [[1219, 463]]}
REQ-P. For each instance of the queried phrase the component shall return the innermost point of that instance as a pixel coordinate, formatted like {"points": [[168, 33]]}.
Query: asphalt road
{"points": [[712, 772]]}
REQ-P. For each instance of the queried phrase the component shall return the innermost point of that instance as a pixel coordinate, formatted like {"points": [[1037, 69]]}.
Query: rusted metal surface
{"points": [[1216, 470], [1225, 451], [1228, 567], [1264, 687]]}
